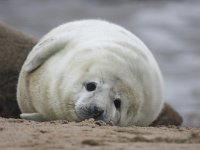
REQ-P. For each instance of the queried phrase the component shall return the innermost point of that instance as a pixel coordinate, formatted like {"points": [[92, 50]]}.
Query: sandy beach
{"points": [[20, 134]]}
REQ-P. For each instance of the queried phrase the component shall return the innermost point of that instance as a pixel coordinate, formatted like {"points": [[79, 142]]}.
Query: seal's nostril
{"points": [[96, 111]]}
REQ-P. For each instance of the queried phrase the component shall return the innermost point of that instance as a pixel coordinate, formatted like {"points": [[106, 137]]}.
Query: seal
{"points": [[14, 49], [91, 69]]}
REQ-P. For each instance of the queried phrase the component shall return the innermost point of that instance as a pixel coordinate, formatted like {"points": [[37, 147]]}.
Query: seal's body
{"points": [[91, 69]]}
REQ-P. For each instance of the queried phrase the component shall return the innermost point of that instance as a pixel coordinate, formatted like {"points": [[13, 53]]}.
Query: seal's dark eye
{"points": [[91, 86], [117, 103]]}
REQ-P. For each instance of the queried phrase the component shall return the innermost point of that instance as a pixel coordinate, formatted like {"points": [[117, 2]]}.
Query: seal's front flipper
{"points": [[43, 50], [32, 116]]}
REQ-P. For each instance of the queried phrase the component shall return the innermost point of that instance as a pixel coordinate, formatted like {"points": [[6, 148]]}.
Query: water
{"points": [[171, 29]]}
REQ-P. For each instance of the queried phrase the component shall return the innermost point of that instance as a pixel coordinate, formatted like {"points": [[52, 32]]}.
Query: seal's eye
{"points": [[117, 103], [91, 86]]}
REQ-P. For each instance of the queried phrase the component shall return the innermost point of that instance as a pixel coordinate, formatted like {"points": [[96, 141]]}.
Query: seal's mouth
{"points": [[86, 113], [92, 111], [97, 119], [83, 113]]}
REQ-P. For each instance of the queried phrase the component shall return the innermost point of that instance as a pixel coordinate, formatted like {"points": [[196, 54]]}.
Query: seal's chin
{"points": [[82, 116]]}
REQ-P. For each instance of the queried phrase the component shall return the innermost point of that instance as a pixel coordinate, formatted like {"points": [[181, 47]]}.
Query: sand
{"points": [[21, 134]]}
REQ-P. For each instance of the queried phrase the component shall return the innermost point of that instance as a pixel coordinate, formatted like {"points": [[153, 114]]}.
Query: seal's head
{"points": [[106, 100]]}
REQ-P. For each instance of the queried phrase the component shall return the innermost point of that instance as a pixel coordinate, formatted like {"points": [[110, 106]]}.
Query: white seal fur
{"points": [[91, 69]]}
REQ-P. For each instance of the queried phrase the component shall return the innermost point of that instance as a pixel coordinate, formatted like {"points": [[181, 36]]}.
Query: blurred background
{"points": [[170, 28]]}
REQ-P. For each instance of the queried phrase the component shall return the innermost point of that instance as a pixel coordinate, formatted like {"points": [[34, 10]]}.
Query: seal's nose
{"points": [[96, 111]]}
